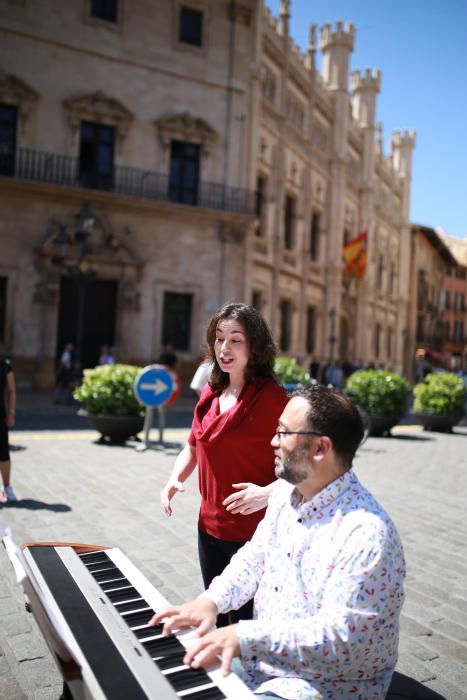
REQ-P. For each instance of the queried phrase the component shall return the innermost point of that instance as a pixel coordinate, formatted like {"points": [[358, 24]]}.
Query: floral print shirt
{"points": [[327, 580]]}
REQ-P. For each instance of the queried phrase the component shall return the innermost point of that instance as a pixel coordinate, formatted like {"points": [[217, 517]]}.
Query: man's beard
{"points": [[294, 467]]}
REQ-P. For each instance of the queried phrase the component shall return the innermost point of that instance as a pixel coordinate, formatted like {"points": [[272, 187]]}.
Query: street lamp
{"points": [[80, 270]]}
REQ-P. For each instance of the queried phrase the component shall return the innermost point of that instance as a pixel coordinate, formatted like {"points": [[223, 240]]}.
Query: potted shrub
{"points": [[109, 403], [440, 401], [290, 374], [383, 395]]}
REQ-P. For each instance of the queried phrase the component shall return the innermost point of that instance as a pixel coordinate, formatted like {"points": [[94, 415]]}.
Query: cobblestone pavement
{"points": [[71, 488]]}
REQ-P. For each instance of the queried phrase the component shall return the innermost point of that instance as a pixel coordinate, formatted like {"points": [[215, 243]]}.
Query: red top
{"points": [[234, 447]]}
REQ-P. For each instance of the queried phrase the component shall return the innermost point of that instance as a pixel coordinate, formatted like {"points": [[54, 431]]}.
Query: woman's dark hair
{"points": [[261, 348], [332, 413]]}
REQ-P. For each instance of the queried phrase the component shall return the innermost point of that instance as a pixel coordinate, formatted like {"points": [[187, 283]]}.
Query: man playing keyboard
{"points": [[325, 568]]}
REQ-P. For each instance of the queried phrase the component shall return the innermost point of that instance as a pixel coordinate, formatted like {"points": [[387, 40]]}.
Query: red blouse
{"points": [[234, 447]]}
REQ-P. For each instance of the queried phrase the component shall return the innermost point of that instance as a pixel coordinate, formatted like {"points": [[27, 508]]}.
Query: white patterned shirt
{"points": [[327, 580]]}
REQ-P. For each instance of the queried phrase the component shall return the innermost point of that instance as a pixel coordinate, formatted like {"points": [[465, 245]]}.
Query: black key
{"points": [[119, 583], [187, 678], [164, 646], [123, 594], [138, 618], [208, 694], [109, 575], [134, 605], [100, 566], [92, 557], [167, 662]]}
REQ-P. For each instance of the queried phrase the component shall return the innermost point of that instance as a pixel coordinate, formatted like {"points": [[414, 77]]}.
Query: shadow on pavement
{"points": [[32, 504], [16, 448]]}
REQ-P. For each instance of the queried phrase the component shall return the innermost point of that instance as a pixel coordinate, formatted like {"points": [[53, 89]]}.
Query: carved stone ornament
{"points": [[186, 127], [15, 92], [98, 107]]}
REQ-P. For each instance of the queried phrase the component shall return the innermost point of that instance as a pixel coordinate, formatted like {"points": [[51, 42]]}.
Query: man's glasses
{"points": [[281, 433]]}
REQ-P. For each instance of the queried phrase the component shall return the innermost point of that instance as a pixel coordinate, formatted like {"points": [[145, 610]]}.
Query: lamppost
{"points": [[332, 337], [80, 271]]}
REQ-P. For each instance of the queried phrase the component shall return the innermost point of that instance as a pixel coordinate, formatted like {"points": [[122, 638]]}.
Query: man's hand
{"points": [[222, 642], [200, 613], [168, 492], [248, 499]]}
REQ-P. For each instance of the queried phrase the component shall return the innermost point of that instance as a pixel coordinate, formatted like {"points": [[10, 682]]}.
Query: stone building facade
{"points": [[158, 159]]}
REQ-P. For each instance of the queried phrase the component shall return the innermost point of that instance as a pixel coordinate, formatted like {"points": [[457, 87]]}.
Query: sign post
{"points": [[156, 386]]}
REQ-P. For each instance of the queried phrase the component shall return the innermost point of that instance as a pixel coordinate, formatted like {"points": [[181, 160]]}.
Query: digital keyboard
{"points": [[102, 605]]}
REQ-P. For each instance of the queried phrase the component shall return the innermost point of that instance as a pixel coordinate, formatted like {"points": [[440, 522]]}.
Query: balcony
{"points": [[56, 169]]}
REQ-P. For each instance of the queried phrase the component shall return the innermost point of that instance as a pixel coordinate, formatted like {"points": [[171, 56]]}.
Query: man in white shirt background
{"points": [[325, 568]]}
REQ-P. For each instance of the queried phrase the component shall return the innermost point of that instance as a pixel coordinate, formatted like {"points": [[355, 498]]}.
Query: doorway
{"points": [[99, 315]]}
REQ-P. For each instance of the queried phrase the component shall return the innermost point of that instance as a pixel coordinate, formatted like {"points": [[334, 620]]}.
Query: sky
{"points": [[420, 47]]}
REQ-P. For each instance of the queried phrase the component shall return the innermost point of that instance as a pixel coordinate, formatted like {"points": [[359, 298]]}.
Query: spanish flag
{"points": [[355, 256]]}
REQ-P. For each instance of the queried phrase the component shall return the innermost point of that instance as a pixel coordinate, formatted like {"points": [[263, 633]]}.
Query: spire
{"points": [[284, 16], [311, 52]]}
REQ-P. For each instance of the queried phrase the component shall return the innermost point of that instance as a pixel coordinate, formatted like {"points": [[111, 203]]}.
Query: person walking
{"points": [[229, 440], [7, 421], [325, 567]]}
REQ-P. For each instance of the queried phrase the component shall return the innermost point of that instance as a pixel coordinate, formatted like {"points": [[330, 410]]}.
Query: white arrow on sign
{"points": [[158, 387]]}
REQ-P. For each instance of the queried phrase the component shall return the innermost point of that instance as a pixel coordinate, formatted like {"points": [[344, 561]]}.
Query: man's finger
{"points": [[227, 656]]}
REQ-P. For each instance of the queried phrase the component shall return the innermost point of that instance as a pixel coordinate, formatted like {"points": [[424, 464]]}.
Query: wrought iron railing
{"points": [[56, 169]]}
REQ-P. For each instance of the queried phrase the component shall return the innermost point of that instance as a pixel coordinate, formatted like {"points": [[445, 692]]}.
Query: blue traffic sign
{"points": [[154, 385]]}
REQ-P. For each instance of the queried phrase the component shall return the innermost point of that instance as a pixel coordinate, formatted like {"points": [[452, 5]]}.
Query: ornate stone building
{"points": [[158, 159]]}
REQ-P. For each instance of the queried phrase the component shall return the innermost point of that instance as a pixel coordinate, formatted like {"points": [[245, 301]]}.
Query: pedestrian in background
{"points": [[230, 440], [168, 356], [106, 356], [201, 376], [64, 375], [7, 421]]}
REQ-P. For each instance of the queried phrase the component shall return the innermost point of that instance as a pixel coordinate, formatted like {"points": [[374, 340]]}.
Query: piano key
{"points": [[104, 576], [138, 619], [166, 662], [212, 693], [116, 585], [119, 595], [187, 678], [91, 557], [138, 604], [103, 566], [164, 646]]}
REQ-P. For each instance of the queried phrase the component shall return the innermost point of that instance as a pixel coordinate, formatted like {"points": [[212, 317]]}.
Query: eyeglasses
{"points": [[281, 433]]}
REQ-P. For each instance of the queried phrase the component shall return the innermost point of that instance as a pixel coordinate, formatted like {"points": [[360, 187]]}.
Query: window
{"points": [[176, 320], [310, 328], [389, 343], [105, 9], [377, 340], [191, 26], [96, 157], [392, 277], [289, 217], [257, 300], [380, 272], [8, 115], [2, 308], [259, 203], [458, 334], [184, 172], [286, 325], [314, 235]]}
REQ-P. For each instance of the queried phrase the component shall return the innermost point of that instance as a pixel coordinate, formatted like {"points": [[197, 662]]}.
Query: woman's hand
{"points": [[168, 492], [247, 499]]}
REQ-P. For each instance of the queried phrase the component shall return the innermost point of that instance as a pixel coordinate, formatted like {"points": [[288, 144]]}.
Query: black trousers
{"points": [[214, 555]]}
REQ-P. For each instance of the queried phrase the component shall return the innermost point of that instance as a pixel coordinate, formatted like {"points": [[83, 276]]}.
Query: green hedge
{"points": [[442, 393], [108, 390], [378, 391], [288, 371]]}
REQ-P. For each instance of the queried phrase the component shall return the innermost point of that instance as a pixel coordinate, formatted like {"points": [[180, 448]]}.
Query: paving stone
{"points": [[26, 647]]}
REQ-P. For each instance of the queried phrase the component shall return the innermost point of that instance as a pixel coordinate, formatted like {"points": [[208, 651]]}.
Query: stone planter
{"points": [[440, 422], [381, 424], [116, 428]]}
